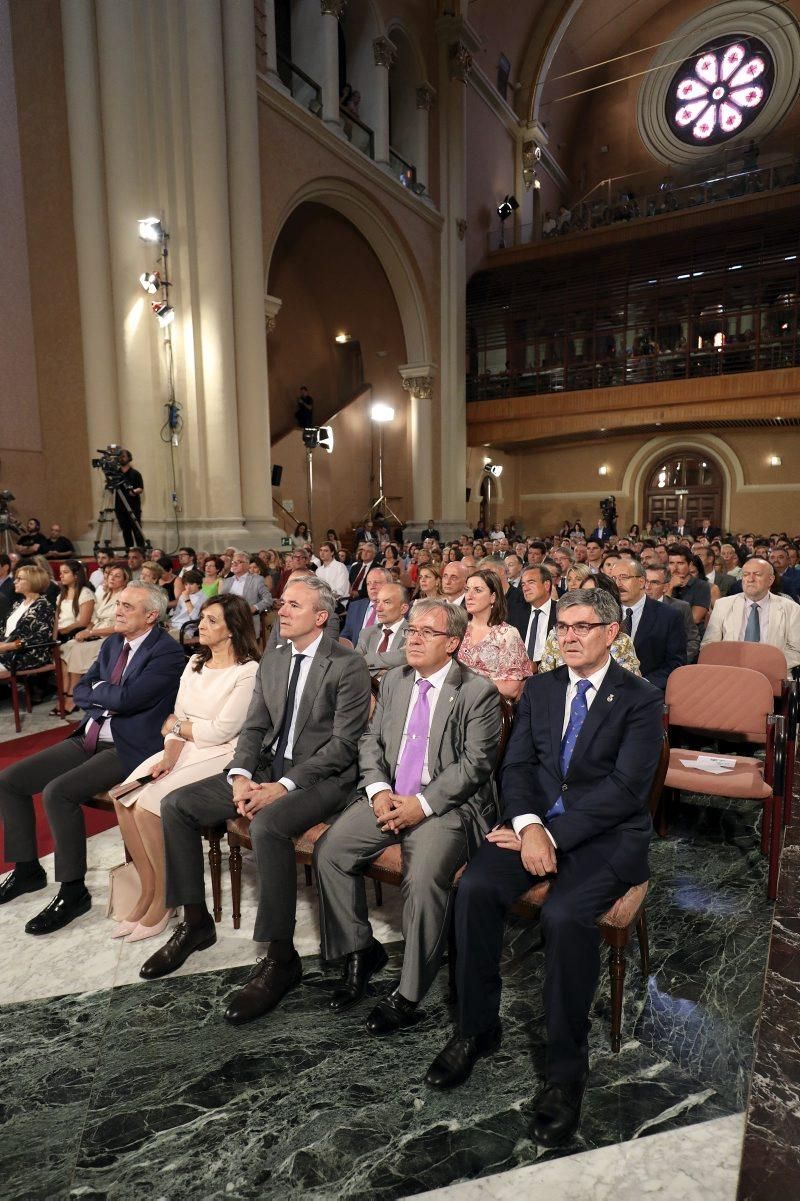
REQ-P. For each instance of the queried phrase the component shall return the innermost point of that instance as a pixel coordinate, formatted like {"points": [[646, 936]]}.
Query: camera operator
{"points": [[129, 489], [32, 542]]}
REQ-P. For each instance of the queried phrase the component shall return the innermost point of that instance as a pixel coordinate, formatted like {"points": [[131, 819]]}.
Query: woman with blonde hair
{"points": [[429, 583], [27, 633]]}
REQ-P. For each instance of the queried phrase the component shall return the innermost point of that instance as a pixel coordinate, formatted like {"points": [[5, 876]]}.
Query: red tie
{"points": [[370, 616], [387, 635], [93, 729]]}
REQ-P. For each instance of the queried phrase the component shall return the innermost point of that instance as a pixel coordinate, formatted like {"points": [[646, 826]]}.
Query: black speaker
{"points": [[277, 472]]}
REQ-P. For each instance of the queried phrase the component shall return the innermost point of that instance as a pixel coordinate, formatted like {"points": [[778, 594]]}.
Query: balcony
{"points": [[305, 90]]}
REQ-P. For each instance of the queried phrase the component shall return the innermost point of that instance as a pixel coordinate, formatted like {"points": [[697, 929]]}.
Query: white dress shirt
{"points": [[305, 667], [96, 578], [335, 575], [763, 616], [541, 630], [105, 734], [237, 587], [596, 680], [436, 682], [636, 614]]}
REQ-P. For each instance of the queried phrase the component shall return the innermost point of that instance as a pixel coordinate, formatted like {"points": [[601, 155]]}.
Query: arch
{"points": [[543, 48], [375, 225], [646, 459]]}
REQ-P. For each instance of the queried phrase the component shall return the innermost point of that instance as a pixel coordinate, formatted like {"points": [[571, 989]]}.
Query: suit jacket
{"points": [[689, 624], [7, 589], [515, 601], [142, 701], [783, 631], [356, 611], [603, 533], [724, 582], [685, 532], [369, 640], [520, 617], [256, 593], [354, 572], [713, 531], [462, 748], [606, 788], [660, 642], [333, 711]]}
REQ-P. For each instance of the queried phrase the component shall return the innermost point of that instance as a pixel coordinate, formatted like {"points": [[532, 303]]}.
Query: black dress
{"points": [[34, 627]]}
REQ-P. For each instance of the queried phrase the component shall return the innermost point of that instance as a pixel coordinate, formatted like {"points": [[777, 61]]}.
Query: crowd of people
{"points": [[367, 692]]}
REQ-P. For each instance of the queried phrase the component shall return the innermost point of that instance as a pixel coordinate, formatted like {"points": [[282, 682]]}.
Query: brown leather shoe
{"points": [[268, 985], [174, 953]]}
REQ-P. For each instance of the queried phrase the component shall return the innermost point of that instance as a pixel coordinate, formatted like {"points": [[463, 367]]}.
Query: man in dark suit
{"points": [[681, 528], [367, 556], [362, 614], [656, 579], [430, 531], [574, 792], [295, 765], [536, 618], [425, 784], [6, 581], [658, 632], [126, 695], [706, 530]]}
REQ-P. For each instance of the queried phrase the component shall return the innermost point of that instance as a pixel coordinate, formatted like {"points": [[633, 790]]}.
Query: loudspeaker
{"points": [[277, 472]]}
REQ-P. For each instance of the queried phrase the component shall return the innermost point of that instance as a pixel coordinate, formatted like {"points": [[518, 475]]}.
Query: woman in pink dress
{"points": [[491, 646]]}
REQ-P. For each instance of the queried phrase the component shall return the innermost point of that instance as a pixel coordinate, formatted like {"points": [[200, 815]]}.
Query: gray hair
{"points": [[455, 617], [635, 566], [155, 599], [666, 574], [325, 598], [405, 593], [598, 599]]}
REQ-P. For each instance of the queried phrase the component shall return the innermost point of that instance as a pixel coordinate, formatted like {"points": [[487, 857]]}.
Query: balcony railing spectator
{"points": [[304, 89]]}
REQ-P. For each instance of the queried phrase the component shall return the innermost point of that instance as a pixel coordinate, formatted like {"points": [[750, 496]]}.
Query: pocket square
{"points": [[556, 810]]}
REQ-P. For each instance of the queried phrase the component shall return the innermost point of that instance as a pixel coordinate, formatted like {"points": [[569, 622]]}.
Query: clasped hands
{"points": [[249, 797], [535, 847], [394, 812]]}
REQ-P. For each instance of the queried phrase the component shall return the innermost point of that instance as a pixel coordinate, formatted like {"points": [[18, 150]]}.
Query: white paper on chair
{"points": [[715, 765]]}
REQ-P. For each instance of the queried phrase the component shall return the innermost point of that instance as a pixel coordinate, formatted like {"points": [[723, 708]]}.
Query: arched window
{"points": [[720, 90]]}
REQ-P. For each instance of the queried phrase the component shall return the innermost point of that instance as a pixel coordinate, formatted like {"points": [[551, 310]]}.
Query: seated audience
{"points": [[363, 613], [757, 614], [75, 604], [695, 591], [429, 582], [491, 647], [151, 573], [135, 562], [126, 696], [56, 546], [383, 645], [32, 542], [454, 580], [6, 582], [212, 576], [199, 740], [27, 633], [574, 791], [656, 579], [622, 650], [169, 580], [334, 573], [190, 602], [536, 617], [365, 561], [80, 652], [300, 536], [425, 767], [251, 588], [46, 565], [285, 777], [103, 557], [658, 633]]}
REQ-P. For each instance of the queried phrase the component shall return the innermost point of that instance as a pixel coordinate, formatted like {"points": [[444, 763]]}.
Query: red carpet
{"points": [[19, 748]]}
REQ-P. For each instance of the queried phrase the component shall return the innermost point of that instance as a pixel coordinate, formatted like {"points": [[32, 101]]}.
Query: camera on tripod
{"points": [[110, 463], [608, 507]]}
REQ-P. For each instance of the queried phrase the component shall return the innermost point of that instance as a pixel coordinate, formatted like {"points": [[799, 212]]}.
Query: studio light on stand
{"points": [[492, 471], [315, 438], [381, 414], [505, 209]]}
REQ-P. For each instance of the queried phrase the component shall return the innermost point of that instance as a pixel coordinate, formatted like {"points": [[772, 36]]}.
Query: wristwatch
{"points": [[176, 729]]}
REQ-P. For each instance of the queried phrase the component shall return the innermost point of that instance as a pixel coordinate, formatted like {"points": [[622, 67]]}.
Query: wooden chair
{"points": [[24, 677], [734, 701], [771, 662]]}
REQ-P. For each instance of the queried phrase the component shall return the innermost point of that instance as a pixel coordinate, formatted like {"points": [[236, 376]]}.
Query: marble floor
{"points": [[118, 1088]]}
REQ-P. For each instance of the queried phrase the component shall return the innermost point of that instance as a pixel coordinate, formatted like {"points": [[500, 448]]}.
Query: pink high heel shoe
{"points": [[142, 932], [123, 929]]}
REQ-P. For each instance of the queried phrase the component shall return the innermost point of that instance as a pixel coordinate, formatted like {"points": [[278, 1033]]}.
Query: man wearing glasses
{"points": [[574, 796], [425, 767]]}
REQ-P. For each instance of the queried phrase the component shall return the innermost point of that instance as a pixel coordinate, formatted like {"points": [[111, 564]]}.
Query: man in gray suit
{"points": [[383, 645], [709, 560], [295, 765], [250, 587], [656, 580], [426, 784]]}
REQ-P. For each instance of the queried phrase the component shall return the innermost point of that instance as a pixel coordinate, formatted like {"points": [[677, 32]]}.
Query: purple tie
{"points": [[371, 615], [408, 776], [92, 733]]}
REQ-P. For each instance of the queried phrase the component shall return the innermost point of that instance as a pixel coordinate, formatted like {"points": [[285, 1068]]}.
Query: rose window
{"points": [[719, 92]]}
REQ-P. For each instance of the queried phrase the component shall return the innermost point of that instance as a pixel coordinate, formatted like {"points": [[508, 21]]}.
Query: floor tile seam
{"points": [[100, 1043]]}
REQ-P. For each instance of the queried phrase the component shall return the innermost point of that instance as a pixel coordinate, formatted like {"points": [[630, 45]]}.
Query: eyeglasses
{"points": [[623, 579], [581, 629], [425, 633]]}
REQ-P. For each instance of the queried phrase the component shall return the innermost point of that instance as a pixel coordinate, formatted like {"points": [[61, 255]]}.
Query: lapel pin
{"points": [[609, 698]]}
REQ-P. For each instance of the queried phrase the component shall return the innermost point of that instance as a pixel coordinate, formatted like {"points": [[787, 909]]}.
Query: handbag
{"points": [[124, 890]]}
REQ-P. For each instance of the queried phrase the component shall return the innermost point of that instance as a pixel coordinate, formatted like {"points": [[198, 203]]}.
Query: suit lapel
{"points": [[599, 709], [646, 621], [276, 668], [316, 674], [397, 715], [441, 714], [556, 701]]}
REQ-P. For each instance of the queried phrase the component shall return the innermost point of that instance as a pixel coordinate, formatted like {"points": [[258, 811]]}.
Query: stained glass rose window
{"points": [[718, 92]]}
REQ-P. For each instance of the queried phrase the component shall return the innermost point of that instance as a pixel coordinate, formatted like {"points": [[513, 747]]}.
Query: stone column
{"points": [[332, 10], [385, 54], [247, 259], [91, 222], [425, 96], [418, 381]]}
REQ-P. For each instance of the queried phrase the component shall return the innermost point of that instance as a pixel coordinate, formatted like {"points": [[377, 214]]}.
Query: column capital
{"points": [[418, 379], [461, 228], [459, 61], [385, 52], [333, 8], [425, 96], [272, 306]]}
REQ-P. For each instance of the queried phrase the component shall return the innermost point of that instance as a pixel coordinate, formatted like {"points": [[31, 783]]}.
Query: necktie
{"points": [[92, 732], [627, 623], [577, 716], [286, 724], [531, 647], [387, 635], [408, 774], [371, 616], [359, 580], [752, 631]]}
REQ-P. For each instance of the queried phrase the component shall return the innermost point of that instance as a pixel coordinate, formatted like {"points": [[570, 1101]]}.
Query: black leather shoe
{"points": [[393, 1013], [15, 886], [453, 1065], [360, 966], [184, 941], [59, 913], [268, 984], [557, 1113]]}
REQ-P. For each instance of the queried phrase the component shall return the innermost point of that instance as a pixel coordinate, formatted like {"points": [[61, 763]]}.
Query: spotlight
{"points": [[325, 438], [151, 229], [506, 207], [495, 469], [342, 338], [381, 412], [164, 312], [150, 281]]}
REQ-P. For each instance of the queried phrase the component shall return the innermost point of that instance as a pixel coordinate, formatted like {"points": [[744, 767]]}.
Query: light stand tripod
{"points": [[381, 414]]}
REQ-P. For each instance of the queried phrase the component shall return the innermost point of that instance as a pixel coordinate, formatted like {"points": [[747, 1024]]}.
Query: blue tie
{"points": [[577, 716]]}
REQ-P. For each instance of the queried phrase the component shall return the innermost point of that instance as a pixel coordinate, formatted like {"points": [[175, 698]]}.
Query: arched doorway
{"points": [[684, 484]]}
